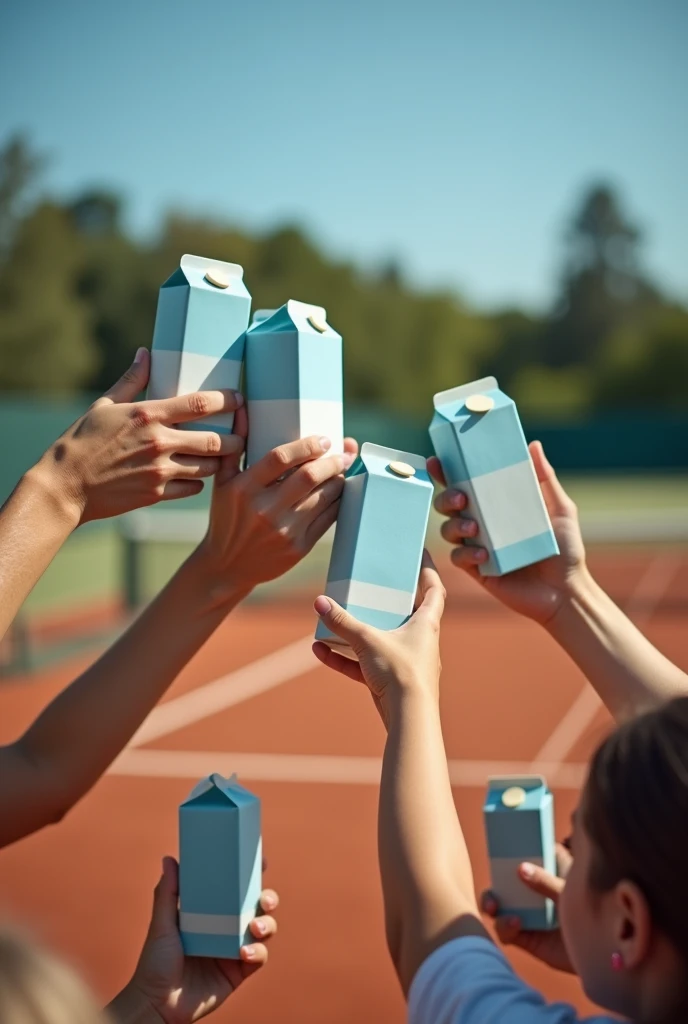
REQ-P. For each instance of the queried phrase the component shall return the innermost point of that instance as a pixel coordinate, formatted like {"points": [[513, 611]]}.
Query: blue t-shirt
{"points": [[470, 981]]}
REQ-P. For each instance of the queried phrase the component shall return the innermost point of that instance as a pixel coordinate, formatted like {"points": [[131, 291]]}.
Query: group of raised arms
{"points": [[622, 884]]}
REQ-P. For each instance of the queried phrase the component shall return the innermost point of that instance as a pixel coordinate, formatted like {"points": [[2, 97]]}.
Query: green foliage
{"points": [[78, 295]]}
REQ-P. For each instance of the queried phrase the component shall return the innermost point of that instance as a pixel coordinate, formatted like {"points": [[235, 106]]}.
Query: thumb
{"points": [[341, 623], [165, 899], [557, 500], [132, 380], [541, 881]]}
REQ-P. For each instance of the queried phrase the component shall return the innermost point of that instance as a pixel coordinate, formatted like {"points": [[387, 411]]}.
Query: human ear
{"points": [[632, 924]]}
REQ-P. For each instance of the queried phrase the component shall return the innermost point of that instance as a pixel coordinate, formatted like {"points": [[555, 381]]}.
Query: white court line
{"points": [[264, 674], [640, 606], [316, 768]]}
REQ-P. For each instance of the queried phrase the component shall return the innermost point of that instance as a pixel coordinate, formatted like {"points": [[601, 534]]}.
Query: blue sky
{"points": [[454, 136]]}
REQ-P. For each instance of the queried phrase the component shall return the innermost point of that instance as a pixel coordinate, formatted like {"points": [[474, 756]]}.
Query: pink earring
{"points": [[617, 962]]}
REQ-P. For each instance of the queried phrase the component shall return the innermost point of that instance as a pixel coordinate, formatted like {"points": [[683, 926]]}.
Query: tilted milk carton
{"points": [[379, 538], [198, 340], [477, 436]]}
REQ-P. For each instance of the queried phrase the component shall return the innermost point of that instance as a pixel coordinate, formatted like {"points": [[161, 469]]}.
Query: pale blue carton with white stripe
{"points": [[379, 538], [519, 824], [477, 436], [198, 340], [293, 379], [220, 867]]}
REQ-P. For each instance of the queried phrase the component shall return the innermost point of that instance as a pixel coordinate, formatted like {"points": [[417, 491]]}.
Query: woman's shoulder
{"points": [[469, 981]]}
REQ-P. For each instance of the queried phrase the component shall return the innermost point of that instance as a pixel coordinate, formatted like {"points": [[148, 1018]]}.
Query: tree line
{"points": [[78, 295]]}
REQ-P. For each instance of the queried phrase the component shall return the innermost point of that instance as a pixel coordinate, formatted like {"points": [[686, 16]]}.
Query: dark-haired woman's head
{"points": [[624, 910]]}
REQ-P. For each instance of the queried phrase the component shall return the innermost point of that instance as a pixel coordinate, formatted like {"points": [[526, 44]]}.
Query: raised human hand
{"points": [[267, 518], [547, 946], [539, 590], [171, 988], [390, 660], [121, 454]]}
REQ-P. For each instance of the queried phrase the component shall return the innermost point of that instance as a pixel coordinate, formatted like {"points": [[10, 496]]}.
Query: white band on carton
{"points": [[215, 924], [370, 595]]}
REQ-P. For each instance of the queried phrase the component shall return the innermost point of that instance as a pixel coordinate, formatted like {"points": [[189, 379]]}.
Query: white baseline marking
{"points": [[264, 674], [640, 606], [317, 768]]}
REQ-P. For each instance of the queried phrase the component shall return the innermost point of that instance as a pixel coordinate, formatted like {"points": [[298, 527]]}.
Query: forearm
{"points": [[427, 878], [81, 732], [35, 521], [627, 671]]}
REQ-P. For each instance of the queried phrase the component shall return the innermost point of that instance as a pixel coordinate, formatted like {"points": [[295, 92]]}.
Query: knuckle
{"points": [[199, 404], [213, 444], [142, 415], [280, 458]]}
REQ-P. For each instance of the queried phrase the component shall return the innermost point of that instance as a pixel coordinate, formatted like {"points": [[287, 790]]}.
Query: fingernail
{"points": [[261, 927], [527, 870], [140, 353], [268, 903], [322, 605], [480, 555], [325, 443], [348, 459], [456, 500], [238, 398], [249, 952], [469, 527]]}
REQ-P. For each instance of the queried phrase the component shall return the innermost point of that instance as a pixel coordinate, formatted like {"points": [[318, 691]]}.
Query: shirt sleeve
{"points": [[470, 981]]}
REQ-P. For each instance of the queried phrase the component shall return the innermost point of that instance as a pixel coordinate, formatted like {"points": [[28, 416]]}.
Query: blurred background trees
{"points": [[78, 295]]}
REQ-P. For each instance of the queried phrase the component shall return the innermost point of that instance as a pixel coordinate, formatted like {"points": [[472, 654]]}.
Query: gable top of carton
{"points": [[375, 459], [293, 316], [260, 315], [535, 787], [216, 789], [192, 270], [449, 403]]}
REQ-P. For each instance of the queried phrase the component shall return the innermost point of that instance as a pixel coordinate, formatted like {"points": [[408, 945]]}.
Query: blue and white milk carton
{"points": [[519, 824], [220, 867], [293, 379], [379, 538], [200, 327], [477, 436]]}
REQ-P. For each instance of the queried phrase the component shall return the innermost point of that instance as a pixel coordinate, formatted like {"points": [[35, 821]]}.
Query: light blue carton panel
{"points": [[294, 384], [220, 867], [198, 340], [486, 455], [379, 538], [287, 358], [516, 834]]}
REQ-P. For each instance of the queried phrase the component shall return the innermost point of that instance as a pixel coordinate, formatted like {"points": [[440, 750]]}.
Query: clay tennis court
{"points": [[309, 743]]}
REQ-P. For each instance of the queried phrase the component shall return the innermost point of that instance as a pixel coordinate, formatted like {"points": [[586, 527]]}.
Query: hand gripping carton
{"points": [[478, 438], [198, 340], [220, 867], [293, 379], [519, 824], [379, 538]]}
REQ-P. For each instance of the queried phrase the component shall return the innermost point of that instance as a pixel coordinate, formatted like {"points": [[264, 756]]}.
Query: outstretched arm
{"points": [[118, 456], [259, 528], [627, 671], [427, 878]]}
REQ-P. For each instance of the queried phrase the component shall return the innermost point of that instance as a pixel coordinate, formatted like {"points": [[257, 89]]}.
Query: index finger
{"points": [[194, 406], [287, 456], [431, 590], [435, 470]]}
